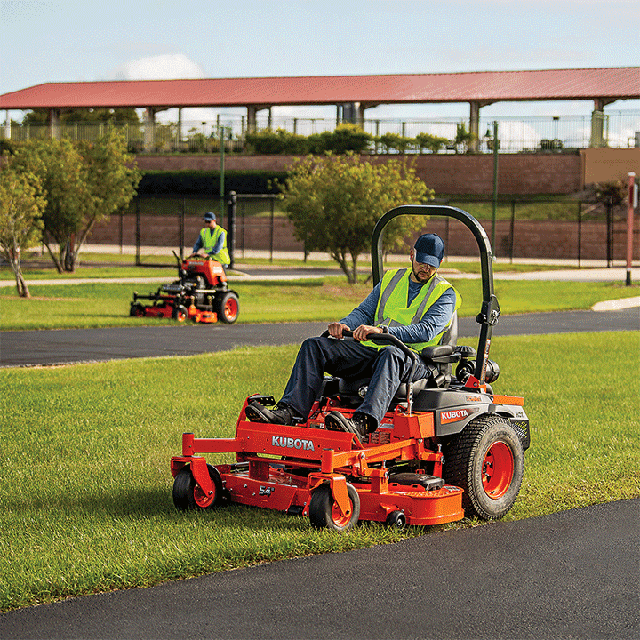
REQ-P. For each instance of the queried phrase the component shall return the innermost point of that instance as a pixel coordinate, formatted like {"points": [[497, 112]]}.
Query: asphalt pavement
{"points": [[573, 574], [25, 348]]}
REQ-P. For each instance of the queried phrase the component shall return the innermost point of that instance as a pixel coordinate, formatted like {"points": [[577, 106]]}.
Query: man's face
{"points": [[210, 223], [421, 271]]}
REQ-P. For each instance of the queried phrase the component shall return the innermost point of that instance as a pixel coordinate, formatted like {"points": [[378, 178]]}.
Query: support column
{"points": [[252, 112], [474, 122], [54, 124], [7, 125], [352, 112], [598, 138], [474, 125], [149, 129]]}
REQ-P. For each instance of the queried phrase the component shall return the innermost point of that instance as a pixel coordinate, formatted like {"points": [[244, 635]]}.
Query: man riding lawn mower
{"points": [[415, 305], [392, 435], [201, 294]]}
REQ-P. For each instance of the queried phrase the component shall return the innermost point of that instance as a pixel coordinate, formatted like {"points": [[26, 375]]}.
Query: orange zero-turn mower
{"points": [[447, 447], [201, 294]]}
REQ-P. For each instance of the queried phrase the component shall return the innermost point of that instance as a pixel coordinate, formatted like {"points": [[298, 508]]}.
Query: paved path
{"points": [[573, 574], [249, 273], [21, 348]]}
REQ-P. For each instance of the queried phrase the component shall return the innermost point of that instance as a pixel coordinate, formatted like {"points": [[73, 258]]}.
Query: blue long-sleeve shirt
{"points": [[432, 323], [218, 246]]}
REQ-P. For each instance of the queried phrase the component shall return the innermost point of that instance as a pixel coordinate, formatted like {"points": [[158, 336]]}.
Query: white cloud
{"points": [[175, 66]]}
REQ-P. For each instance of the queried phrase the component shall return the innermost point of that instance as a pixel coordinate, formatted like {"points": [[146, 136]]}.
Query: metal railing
{"points": [[540, 134]]}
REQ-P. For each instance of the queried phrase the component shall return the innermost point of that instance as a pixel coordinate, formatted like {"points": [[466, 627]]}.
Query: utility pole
{"points": [[633, 203], [494, 204], [222, 202]]}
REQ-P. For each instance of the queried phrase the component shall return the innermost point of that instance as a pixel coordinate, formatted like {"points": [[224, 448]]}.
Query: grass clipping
{"points": [[86, 489]]}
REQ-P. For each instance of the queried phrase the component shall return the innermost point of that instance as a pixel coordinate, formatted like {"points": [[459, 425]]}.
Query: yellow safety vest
{"points": [[209, 241], [392, 309]]}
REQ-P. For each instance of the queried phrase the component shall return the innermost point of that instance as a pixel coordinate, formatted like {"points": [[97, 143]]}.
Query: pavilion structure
{"points": [[352, 95]]}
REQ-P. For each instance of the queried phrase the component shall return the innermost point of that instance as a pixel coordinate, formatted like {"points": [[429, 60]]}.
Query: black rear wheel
{"points": [[228, 307], [486, 460]]}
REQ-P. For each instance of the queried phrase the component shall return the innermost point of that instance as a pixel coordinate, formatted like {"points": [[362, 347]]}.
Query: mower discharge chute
{"points": [[447, 447], [201, 294]]}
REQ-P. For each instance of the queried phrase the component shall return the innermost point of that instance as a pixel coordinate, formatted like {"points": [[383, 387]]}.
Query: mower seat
{"points": [[440, 358]]}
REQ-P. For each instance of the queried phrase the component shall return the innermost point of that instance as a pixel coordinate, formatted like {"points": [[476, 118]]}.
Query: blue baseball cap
{"points": [[208, 217], [429, 249]]}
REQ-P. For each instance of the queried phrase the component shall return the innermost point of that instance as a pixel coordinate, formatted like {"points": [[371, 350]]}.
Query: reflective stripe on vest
{"points": [[392, 307], [209, 241]]}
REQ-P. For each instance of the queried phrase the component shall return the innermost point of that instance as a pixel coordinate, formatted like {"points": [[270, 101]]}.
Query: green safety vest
{"points": [[209, 241], [392, 309]]}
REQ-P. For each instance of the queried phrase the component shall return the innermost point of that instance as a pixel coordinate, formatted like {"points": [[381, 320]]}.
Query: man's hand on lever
{"points": [[360, 334]]}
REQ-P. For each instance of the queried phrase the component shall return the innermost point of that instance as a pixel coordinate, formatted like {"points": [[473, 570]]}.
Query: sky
{"points": [[71, 40]]}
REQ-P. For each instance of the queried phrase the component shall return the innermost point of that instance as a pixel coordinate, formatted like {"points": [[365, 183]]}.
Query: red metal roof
{"points": [[489, 86]]}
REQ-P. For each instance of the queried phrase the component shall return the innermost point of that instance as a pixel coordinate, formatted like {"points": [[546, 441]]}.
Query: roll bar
{"points": [[490, 310]]}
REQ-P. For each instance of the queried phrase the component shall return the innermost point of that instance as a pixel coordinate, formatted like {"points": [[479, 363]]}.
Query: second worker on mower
{"points": [[212, 241], [415, 304]]}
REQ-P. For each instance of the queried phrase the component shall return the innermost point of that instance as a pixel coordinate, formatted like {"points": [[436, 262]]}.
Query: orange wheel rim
{"points": [[201, 498], [497, 470], [340, 519], [231, 308]]}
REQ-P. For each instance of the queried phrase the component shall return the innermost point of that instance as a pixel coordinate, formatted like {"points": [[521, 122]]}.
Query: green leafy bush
{"points": [[396, 142], [430, 142], [279, 142]]}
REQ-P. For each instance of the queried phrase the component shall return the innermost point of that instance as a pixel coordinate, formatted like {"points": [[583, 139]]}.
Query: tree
{"points": [[111, 177], [83, 184], [21, 207], [334, 203]]}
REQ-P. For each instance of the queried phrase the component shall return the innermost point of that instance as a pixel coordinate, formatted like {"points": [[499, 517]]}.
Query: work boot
{"points": [[360, 425], [280, 414]]}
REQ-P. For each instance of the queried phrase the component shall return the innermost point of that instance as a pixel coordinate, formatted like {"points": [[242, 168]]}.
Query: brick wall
{"points": [[531, 239], [525, 174]]}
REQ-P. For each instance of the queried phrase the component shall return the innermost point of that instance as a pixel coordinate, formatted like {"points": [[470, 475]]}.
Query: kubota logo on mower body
{"points": [[453, 416], [292, 443]]}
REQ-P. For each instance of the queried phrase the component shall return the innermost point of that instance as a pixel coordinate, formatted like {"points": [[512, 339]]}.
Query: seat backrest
{"points": [[450, 336]]}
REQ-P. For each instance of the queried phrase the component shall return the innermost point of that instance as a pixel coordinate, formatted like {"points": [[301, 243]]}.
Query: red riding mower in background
{"points": [[201, 295], [447, 447]]}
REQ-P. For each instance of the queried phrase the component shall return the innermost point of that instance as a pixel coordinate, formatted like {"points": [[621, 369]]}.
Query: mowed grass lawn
{"points": [[107, 304], [86, 490]]}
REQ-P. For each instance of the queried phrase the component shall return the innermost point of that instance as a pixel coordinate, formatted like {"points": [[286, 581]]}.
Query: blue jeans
{"points": [[387, 368]]}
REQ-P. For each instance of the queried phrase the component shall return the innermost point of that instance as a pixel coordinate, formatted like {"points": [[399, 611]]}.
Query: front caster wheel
{"points": [[325, 513], [187, 493], [397, 520], [137, 310], [179, 313]]}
